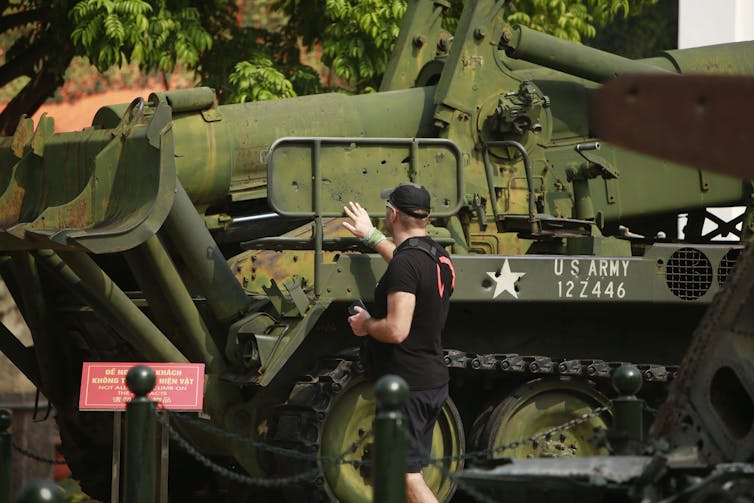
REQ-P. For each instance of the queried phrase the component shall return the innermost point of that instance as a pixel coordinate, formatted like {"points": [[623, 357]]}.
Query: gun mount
{"points": [[700, 447]]}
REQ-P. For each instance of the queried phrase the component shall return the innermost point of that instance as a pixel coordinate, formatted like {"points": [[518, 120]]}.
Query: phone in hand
{"points": [[351, 308]]}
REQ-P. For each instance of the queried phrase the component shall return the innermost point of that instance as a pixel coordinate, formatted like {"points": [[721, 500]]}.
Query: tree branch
{"points": [[20, 18], [24, 64], [35, 93]]}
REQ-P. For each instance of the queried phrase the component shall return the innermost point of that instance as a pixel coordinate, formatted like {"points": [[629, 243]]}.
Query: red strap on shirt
{"points": [[440, 286]]}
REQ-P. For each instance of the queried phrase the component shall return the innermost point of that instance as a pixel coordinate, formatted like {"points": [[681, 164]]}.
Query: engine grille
{"points": [[689, 273], [726, 265]]}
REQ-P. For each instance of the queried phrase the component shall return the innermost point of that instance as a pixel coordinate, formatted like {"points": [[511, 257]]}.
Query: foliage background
{"points": [[251, 50]]}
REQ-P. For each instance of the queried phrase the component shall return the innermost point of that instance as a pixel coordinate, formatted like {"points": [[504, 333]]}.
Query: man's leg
{"points": [[421, 411], [417, 490]]}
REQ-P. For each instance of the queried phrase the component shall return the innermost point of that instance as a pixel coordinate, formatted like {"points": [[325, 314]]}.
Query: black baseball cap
{"points": [[409, 197]]}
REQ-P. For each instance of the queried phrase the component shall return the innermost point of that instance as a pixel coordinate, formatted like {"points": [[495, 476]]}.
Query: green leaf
{"points": [[114, 28]]}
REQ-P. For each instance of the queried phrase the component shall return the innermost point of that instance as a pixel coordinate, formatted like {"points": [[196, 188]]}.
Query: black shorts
{"points": [[421, 411]]}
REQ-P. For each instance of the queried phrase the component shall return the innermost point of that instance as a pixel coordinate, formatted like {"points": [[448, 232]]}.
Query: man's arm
{"points": [[386, 249], [394, 328], [361, 224]]}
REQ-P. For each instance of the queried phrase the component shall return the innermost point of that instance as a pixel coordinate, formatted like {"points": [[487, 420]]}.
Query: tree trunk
{"points": [[35, 93]]}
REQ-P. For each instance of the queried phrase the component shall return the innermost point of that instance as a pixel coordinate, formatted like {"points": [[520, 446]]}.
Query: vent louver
{"points": [[689, 273]]}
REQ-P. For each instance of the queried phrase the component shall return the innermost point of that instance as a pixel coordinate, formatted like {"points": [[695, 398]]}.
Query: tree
{"points": [[47, 34], [652, 28], [356, 36], [352, 40]]}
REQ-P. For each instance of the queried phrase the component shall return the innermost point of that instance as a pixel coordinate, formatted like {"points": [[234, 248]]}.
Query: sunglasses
{"points": [[388, 204]]}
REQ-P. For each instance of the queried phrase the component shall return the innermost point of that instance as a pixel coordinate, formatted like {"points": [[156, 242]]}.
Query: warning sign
{"points": [[178, 386]]}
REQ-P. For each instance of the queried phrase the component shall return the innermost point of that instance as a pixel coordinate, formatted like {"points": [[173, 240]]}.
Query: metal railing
{"points": [[139, 478]]}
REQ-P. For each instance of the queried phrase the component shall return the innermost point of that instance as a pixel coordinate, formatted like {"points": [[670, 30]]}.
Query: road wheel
{"points": [[536, 407], [330, 412], [350, 419]]}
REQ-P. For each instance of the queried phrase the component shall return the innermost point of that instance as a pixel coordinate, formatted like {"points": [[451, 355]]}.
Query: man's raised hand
{"points": [[360, 223]]}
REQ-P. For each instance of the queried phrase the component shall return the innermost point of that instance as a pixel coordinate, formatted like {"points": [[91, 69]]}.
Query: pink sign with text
{"points": [[178, 386]]}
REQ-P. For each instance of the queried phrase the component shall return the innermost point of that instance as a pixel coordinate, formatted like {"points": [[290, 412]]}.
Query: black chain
{"points": [[208, 428], [268, 483], [291, 453], [483, 498], [37, 457], [483, 454], [547, 433], [341, 459], [487, 453], [236, 477], [354, 446]]}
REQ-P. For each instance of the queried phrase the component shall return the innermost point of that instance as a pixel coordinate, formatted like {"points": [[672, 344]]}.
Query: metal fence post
{"points": [[6, 459], [41, 491], [139, 485], [628, 410], [390, 440]]}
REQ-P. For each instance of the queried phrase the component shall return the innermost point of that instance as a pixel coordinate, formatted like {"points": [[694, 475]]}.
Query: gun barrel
{"points": [[736, 58], [224, 153], [575, 59]]}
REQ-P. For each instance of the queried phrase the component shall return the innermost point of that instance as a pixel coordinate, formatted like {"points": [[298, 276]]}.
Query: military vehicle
{"points": [[700, 448], [178, 230]]}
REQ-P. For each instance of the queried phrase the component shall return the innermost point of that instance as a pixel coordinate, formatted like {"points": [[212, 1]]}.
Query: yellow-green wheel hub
{"points": [[535, 408], [350, 420]]}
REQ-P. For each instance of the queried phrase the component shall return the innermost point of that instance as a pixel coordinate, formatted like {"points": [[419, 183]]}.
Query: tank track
{"points": [[298, 423], [536, 366]]}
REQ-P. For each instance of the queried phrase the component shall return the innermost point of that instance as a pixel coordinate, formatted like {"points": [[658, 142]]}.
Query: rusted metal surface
{"points": [[93, 190], [12, 202], [256, 268], [22, 136], [701, 121]]}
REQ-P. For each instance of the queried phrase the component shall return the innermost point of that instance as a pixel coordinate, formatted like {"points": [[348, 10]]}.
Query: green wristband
{"points": [[373, 238]]}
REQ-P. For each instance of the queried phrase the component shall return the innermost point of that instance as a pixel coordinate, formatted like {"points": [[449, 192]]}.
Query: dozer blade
{"points": [[95, 190]]}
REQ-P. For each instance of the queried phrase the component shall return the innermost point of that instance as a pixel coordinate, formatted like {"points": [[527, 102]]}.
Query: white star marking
{"points": [[505, 280]]}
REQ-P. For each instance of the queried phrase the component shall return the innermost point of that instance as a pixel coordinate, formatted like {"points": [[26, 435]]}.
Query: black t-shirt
{"points": [[419, 358]]}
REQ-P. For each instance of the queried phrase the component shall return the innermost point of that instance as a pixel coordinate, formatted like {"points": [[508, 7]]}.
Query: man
{"points": [[411, 306]]}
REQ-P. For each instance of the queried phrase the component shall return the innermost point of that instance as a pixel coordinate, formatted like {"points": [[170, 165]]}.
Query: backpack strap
{"points": [[420, 244]]}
